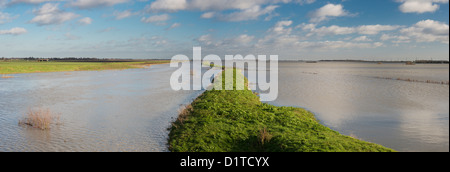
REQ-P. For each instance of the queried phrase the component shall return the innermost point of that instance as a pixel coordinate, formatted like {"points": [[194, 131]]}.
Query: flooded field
{"points": [[130, 110], [368, 101], [127, 110]]}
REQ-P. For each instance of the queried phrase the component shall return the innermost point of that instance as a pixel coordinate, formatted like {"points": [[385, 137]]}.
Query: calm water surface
{"points": [[130, 110], [350, 98], [127, 110]]}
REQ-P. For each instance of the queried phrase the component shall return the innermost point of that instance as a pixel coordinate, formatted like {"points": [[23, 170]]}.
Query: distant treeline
{"points": [[431, 62], [74, 59], [83, 59]]}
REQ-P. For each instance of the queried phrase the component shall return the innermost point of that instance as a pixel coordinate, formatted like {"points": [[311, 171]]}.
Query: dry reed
{"points": [[39, 118], [264, 136]]}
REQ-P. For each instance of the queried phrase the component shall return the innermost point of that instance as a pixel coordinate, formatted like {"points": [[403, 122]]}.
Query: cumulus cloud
{"points": [[282, 27], [13, 31], [204, 5], [327, 30], [313, 30], [395, 38], [173, 26], [241, 10], [328, 11], [240, 41], [85, 21], [428, 31], [375, 29], [283, 37], [156, 18], [31, 1], [87, 4], [119, 15], [362, 39], [247, 14], [420, 6], [208, 15], [50, 14]]}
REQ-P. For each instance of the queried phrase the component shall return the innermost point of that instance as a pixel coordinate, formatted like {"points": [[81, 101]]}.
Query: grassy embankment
{"points": [[236, 121], [22, 66]]}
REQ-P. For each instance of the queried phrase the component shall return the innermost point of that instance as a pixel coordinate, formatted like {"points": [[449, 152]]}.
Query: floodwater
{"points": [[130, 110], [127, 110], [356, 99]]}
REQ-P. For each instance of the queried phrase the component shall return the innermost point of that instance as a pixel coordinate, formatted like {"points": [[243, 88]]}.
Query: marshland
{"points": [[130, 110]]}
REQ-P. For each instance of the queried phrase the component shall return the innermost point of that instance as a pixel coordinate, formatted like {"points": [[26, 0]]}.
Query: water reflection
{"points": [[130, 110], [347, 97], [126, 110]]}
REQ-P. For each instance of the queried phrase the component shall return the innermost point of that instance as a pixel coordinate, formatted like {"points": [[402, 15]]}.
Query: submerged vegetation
{"points": [[40, 119], [236, 121], [23, 66], [415, 80]]}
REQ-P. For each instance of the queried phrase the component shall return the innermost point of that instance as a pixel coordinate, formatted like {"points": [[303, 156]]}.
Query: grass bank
{"points": [[23, 66], [236, 121]]}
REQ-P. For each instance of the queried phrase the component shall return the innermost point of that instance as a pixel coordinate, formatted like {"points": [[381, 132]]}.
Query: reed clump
{"points": [[40, 119]]}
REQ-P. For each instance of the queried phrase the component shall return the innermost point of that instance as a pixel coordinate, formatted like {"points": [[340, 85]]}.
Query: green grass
{"points": [[22, 66], [236, 121]]}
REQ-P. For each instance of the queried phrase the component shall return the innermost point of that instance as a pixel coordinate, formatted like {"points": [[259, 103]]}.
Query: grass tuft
{"points": [[39, 118]]}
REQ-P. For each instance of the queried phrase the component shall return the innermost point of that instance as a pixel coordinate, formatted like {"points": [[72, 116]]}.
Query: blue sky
{"points": [[292, 29]]}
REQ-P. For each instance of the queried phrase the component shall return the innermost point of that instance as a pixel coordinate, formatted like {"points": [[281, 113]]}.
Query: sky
{"points": [[291, 29]]}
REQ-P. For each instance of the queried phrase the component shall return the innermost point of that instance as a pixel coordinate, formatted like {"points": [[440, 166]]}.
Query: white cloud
{"points": [[247, 14], [6, 18], [168, 5], [330, 30], [280, 27], [362, 39], [312, 29], [328, 11], [50, 14], [124, 14], [85, 21], [215, 5], [173, 26], [31, 1], [395, 38], [428, 31], [87, 4], [204, 5], [13, 31], [305, 1], [243, 39], [281, 37], [208, 15], [156, 18], [375, 29], [420, 6], [241, 10]]}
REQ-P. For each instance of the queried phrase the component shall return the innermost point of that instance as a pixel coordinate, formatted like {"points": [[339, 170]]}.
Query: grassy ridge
{"points": [[236, 121], [22, 66]]}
